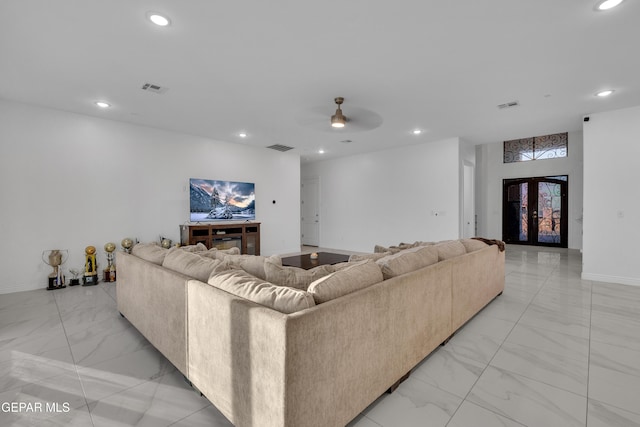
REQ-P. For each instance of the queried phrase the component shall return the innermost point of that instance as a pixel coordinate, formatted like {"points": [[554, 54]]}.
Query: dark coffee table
{"points": [[305, 261]]}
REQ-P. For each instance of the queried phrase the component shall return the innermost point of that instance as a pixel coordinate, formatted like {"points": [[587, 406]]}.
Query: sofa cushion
{"points": [[472, 245], [373, 257], [151, 252], [190, 264], [449, 249], [216, 253], [351, 278], [400, 247], [252, 264], [198, 247], [294, 277], [407, 260], [280, 298]]}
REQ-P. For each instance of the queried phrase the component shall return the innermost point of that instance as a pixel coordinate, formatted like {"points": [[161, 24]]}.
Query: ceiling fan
{"points": [[338, 120], [320, 118]]}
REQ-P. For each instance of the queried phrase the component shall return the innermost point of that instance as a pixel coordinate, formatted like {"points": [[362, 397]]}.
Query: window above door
{"points": [[536, 148]]}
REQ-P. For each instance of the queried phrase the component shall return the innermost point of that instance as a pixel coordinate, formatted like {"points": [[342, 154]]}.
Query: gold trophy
{"points": [[55, 258], [110, 271], [165, 242], [90, 267], [127, 244]]}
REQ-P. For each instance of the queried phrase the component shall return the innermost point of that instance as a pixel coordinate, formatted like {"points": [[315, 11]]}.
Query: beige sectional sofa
{"points": [[269, 355]]}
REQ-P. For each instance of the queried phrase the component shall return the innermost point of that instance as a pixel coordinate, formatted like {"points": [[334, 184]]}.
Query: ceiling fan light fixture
{"points": [[158, 19], [604, 93], [338, 120], [607, 4]]}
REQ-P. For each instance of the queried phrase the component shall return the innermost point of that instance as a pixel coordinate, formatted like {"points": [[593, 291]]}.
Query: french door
{"points": [[534, 211]]}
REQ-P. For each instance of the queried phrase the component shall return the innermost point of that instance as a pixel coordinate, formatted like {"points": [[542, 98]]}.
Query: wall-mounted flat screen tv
{"points": [[211, 200]]}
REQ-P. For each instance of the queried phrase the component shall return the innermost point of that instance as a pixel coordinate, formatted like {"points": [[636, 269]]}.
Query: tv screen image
{"points": [[211, 200]]}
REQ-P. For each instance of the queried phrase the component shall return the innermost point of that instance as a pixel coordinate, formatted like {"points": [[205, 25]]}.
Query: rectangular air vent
{"points": [[149, 87], [508, 105], [280, 147]]}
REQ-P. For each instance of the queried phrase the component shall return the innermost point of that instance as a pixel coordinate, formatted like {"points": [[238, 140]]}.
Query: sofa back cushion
{"points": [[407, 260], [198, 247], [349, 278], [374, 256], [280, 298], [216, 253], [190, 264], [472, 245], [150, 252], [252, 264], [449, 249], [293, 277]]}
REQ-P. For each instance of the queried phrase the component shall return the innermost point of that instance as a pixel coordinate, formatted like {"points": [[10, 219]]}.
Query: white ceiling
{"points": [[273, 68]]}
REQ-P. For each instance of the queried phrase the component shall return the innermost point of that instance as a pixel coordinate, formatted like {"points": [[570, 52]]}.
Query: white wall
{"points": [[491, 170], [467, 189], [612, 197], [386, 197], [68, 181]]}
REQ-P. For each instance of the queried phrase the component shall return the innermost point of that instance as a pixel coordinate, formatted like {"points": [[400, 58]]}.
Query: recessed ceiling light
{"points": [[242, 134], [160, 20], [103, 104], [417, 131], [604, 93], [607, 4], [321, 151]]}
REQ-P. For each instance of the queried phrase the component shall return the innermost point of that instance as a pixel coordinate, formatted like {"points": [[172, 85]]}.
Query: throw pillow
{"points": [[151, 252], [472, 245], [190, 264], [449, 249], [354, 277], [373, 257], [293, 277], [280, 298], [252, 264], [198, 247], [408, 260], [216, 253]]}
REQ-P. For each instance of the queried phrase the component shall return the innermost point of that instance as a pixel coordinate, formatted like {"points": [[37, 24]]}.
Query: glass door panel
{"points": [[515, 218], [549, 212], [535, 211]]}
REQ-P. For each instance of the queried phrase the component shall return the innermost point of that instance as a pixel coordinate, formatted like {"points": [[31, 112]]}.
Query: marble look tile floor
{"points": [[553, 350]]}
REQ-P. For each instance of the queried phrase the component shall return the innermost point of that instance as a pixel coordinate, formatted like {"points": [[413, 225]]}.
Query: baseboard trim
{"points": [[611, 279], [20, 288]]}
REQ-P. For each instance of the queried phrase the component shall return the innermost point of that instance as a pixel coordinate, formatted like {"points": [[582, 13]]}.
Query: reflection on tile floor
{"points": [[553, 350]]}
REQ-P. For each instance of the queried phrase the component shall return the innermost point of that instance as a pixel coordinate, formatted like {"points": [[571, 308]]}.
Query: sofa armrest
{"points": [[478, 277], [343, 354], [153, 299], [237, 355]]}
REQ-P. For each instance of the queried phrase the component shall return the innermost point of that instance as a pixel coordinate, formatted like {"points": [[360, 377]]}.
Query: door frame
{"points": [[532, 213], [304, 195]]}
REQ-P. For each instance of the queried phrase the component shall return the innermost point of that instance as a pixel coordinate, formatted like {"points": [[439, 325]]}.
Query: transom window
{"points": [[536, 148]]}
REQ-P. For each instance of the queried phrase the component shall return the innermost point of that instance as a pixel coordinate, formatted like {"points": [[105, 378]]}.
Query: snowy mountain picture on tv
{"points": [[211, 200]]}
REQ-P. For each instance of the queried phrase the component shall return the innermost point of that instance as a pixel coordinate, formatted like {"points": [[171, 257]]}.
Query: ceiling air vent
{"points": [[149, 87], [508, 105], [280, 147]]}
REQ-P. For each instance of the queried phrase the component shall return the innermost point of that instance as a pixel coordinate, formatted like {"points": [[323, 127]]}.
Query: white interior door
{"points": [[468, 217], [310, 211]]}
